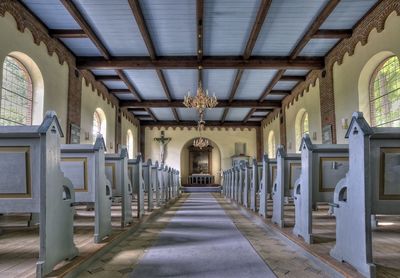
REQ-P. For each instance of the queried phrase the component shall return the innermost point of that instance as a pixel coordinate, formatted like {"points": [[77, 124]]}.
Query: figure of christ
{"points": [[162, 141]]}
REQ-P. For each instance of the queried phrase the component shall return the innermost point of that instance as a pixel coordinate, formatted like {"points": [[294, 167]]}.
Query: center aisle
{"points": [[201, 241]]}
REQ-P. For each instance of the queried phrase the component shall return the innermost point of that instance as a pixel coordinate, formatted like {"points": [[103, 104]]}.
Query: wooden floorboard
{"points": [[19, 244]]}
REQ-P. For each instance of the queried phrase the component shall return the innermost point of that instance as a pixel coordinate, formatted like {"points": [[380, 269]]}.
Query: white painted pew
{"points": [[135, 169], [255, 184], [247, 184], [148, 183], [322, 166], [288, 171], [84, 165], [267, 179], [160, 176], [156, 183], [31, 181], [117, 174], [370, 187]]}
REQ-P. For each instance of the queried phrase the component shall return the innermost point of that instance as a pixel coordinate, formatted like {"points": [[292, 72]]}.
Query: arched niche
{"points": [[215, 157]]}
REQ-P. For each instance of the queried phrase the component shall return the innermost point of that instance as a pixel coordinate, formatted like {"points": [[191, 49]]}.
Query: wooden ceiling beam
{"points": [[73, 10], [137, 13], [297, 78], [141, 22], [151, 114], [319, 20], [255, 31], [130, 86], [199, 19], [107, 78], [257, 62], [323, 15], [194, 124], [67, 34], [246, 119], [119, 91], [280, 92], [272, 84], [179, 104], [333, 34]]}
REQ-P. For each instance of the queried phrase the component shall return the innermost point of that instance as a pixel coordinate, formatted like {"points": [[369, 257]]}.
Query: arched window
{"points": [[129, 143], [16, 96], [385, 94], [99, 124], [271, 145], [304, 124], [301, 125]]}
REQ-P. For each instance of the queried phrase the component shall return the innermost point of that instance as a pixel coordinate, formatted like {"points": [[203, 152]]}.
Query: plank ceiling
{"points": [[178, 43]]}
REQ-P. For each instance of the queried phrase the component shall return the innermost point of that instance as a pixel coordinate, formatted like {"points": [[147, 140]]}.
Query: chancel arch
{"points": [[21, 98], [195, 161]]}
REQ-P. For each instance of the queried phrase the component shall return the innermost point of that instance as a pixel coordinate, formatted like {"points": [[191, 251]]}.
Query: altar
{"points": [[200, 166]]}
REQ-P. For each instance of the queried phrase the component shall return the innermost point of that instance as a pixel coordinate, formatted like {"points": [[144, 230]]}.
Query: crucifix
{"points": [[162, 141]]}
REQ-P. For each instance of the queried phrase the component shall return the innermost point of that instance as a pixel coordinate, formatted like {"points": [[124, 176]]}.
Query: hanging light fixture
{"points": [[201, 142], [201, 101]]}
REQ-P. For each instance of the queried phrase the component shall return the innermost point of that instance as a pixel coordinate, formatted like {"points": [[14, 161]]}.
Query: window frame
{"points": [[30, 95], [371, 96]]}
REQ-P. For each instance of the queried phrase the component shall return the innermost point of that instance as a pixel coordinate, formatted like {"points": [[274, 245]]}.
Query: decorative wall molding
{"points": [[375, 19], [25, 20], [193, 128]]}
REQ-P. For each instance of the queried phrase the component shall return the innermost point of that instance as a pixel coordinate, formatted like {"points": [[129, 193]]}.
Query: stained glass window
{"points": [[385, 94], [16, 94]]}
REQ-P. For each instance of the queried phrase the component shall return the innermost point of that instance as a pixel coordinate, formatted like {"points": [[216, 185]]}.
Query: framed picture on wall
{"points": [[327, 134], [75, 134]]}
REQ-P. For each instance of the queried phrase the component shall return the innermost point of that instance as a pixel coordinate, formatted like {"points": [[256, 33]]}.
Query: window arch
{"points": [[99, 124], [302, 126], [271, 145], [16, 96], [385, 94], [129, 143]]}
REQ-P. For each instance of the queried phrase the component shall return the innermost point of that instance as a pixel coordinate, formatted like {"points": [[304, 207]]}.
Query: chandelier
{"points": [[201, 100], [201, 142]]}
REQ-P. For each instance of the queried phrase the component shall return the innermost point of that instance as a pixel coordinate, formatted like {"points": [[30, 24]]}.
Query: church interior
{"points": [[200, 138]]}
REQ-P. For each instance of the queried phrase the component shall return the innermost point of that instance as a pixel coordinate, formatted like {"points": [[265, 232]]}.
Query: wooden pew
{"points": [[135, 168], [156, 183], [84, 165], [248, 169], [322, 166], [148, 183], [255, 184], [370, 187], [267, 179], [288, 171], [160, 176], [31, 181], [117, 174]]}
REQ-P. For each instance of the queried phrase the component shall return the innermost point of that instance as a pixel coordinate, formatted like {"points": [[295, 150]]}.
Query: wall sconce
{"points": [[111, 145], [345, 123], [314, 135], [87, 135]]}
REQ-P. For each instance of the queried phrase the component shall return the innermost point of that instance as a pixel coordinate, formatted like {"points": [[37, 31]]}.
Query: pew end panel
{"points": [[85, 166], [117, 174]]}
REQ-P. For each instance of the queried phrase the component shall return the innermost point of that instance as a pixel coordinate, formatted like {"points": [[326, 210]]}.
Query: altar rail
{"points": [[201, 179]]}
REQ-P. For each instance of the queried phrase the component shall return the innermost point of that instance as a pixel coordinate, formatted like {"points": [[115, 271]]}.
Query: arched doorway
{"points": [[214, 162]]}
